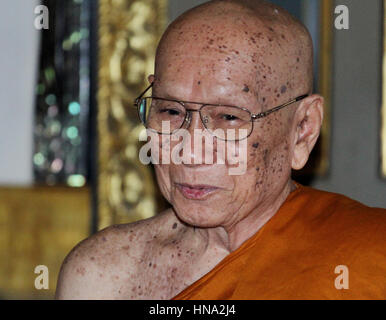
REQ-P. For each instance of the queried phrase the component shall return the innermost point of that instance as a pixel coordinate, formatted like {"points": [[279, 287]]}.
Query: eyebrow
{"points": [[201, 103], [168, 96]]}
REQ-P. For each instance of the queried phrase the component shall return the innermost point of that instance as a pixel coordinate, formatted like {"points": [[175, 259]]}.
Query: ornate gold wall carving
{"points": [[129, 31]]}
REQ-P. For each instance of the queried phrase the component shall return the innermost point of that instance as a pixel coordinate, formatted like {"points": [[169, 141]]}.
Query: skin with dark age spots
{"points": [[230, 52]]}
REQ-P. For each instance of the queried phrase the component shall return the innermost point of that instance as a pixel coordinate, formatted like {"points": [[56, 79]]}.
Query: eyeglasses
{"points": [[226, 122]]}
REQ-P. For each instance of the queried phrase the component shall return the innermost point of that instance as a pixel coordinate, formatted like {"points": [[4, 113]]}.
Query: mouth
{"points": [[196, 192]]}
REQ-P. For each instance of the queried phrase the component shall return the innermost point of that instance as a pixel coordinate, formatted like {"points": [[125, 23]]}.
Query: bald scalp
{"points": [[274, 44]]}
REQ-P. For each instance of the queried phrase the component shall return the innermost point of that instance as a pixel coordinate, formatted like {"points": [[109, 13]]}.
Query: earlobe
{"points": [[308, 121], [300, 156]]}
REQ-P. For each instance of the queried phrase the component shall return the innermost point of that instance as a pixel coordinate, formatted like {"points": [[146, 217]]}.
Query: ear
{"points": [[151, 78], [307, 124]]}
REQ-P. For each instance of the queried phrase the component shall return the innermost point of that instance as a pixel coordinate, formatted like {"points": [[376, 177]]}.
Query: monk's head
{"points": [[250, 54]]}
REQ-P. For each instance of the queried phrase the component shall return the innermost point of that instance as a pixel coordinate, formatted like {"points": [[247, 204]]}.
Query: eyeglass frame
{"points": [[254, 117]]}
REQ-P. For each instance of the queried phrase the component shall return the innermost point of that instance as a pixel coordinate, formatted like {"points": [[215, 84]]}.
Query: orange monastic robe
{"points": [[295, 254]]}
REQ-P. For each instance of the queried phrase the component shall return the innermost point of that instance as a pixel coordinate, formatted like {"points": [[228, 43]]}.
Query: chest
{"points": [[165, 271]]}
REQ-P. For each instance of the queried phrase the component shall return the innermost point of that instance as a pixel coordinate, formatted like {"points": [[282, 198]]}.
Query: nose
{"points": [[194, 121], [197, 149]]}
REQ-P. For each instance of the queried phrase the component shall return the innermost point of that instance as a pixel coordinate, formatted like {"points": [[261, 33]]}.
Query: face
{"points": [[212, 63]]}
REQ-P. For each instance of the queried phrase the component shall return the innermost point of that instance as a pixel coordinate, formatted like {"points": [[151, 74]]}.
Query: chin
{"points": [[198, 215]]}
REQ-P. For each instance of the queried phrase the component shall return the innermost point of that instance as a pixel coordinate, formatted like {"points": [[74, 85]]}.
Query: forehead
{"points": [[204, 69], [220, 46], [229, 78], [216, 37]]}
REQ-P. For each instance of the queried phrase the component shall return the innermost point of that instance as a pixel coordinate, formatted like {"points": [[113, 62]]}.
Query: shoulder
{"points": [[96, 265], [329, 230], [338, 206], [342, 219]]}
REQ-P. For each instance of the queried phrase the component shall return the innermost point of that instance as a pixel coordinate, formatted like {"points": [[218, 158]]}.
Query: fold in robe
{"points": [[295, 254]]}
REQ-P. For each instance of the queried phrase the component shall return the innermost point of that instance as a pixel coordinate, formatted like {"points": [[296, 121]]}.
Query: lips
{"points": [[195, 192]]}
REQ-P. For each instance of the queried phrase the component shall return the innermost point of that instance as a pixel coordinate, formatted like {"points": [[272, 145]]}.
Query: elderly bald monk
{"points": [[258, 235]]}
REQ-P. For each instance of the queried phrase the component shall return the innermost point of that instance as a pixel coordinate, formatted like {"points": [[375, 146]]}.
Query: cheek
{"points": [[268, 153], [277, 165], [247, 184], [163, 149], [159, 147], [163, 179], [258, 164]]}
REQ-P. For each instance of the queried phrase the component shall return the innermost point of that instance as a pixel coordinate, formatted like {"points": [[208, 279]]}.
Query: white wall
{"points": [[18, 64]]}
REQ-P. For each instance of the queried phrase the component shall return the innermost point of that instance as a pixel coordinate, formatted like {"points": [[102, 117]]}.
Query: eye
{"points": [[229, 117], [171, 112]]}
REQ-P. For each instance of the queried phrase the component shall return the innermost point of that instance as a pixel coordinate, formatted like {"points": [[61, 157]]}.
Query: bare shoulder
{"points": [[105, 265]]}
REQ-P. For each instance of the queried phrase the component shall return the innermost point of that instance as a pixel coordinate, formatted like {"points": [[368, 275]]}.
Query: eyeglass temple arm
{"points": [[140, 96], [266, 113]]}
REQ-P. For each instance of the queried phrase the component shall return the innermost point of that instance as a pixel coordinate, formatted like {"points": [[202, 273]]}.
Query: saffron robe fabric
{"points": [[295, 255]]}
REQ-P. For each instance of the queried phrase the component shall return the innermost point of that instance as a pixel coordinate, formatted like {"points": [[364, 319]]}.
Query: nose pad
{"points": [[187, 120], [198, 152], [189, 124], [205, 120]]}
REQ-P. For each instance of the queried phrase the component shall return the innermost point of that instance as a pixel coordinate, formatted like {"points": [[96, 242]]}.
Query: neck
{"points": [[234, 236]]}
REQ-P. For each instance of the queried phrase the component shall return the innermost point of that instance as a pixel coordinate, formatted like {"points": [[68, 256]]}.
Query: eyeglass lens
{"points": [[225, 122]]}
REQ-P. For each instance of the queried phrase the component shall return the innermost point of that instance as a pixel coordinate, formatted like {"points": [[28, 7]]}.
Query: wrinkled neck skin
{"points": [[237, 234], [231, 237]]}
